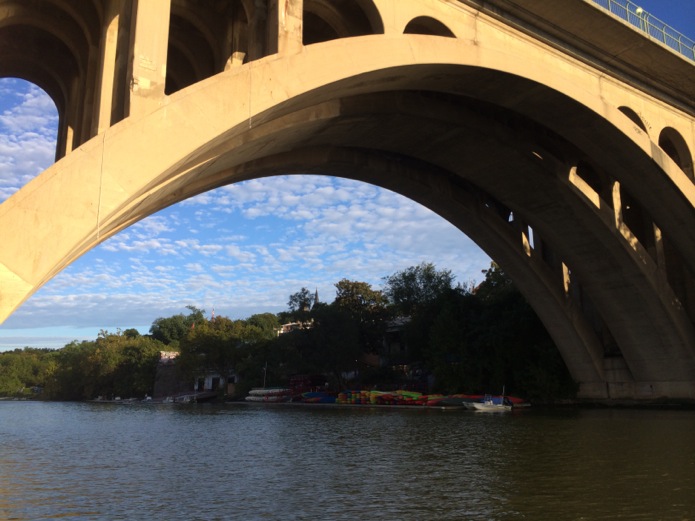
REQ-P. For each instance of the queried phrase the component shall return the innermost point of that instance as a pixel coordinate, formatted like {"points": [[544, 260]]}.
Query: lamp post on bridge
{"points": [[642, 22]]}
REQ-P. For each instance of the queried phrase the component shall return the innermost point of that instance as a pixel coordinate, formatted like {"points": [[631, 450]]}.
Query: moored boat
{"points": [[269, 391], [268, 399], [269, 394], [490, 405]]}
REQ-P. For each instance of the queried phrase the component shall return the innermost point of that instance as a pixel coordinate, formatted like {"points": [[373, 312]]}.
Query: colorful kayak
{"points": [[318, 397]]}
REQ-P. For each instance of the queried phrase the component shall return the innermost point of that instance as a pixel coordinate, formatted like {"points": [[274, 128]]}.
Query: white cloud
{"points": [[195, 267], [152, 226], [235, 252], [28, 126]]}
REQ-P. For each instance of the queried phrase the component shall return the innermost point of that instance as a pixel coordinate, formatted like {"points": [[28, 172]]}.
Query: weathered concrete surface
{"points": [[521, 141]]}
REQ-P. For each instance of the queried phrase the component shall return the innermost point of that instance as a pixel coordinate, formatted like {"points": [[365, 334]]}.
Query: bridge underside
{"points": [[593, 222]]}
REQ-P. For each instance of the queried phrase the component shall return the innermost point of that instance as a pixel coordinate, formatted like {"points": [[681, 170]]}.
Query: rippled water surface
{"points": [[246, 462]]}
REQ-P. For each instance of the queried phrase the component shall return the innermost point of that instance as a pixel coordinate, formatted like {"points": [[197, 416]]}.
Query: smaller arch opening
{"points": [[428, 25], [634, 117], [189, 57], [671, 141], [329, 20], [316, 30]]}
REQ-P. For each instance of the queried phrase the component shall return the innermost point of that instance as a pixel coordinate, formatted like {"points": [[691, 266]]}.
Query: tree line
{"points": [[451, 338]]}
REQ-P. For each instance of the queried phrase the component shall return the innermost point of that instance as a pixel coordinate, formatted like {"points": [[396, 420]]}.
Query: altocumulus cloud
{"points": [[28, 126]]}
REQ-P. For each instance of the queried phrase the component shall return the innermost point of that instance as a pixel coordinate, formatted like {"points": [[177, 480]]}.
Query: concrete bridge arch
{"points": [[536, 168]]}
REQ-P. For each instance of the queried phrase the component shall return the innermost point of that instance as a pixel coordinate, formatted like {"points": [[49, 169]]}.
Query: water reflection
{"points": [[97, 461]]}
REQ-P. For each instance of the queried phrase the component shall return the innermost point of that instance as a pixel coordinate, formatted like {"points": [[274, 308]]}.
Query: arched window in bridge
{"points": [[634, 117], [191, 53], [677, 149], [427, 25], [206, 38], [326, 20]]}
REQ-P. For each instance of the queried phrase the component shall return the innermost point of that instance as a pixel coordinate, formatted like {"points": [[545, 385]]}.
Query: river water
{"points": [[255, 462]]}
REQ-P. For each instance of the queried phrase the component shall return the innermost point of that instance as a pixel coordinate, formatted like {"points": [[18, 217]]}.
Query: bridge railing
{"points": [[649, 24]]}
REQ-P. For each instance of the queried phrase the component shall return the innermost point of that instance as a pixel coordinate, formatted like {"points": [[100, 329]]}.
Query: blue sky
{"points": [[679, 14], [240, 249]]}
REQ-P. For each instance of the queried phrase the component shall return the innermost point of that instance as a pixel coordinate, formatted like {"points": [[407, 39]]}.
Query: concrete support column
{"points": [[72, 115], [230, 45], [107, 65], [285, 26], [150, 38], [523, 229], [617, 206], [60, 139], [387, 11], [258, 30], [566, 279], [90, 85], [235, 41], [659, 249]]}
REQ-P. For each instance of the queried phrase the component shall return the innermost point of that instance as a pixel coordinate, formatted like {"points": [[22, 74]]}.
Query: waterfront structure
{"points": [[556, 135]]}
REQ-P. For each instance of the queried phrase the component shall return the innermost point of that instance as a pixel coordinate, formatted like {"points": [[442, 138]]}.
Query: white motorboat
{"points": [[488, 405]]}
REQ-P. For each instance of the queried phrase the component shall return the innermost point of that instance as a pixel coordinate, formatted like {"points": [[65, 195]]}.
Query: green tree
{"points": [[131, 333], [300, 302], [447, 354], [334, 342], [511, 346], [112, 365], [497, 285], [330, 346], [417, 286], [267, 363], [172, 329], [479, 340], [367, 307], [211, 347], [135, 374], [17, 372], [359, 299], [68, 380], [267, 324]]}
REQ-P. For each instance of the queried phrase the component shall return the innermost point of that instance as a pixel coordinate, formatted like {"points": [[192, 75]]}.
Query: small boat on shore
{"points": [[269, 394]]}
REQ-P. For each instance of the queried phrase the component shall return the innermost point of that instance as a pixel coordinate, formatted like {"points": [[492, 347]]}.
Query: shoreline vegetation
{"points": [[421, 332]]}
